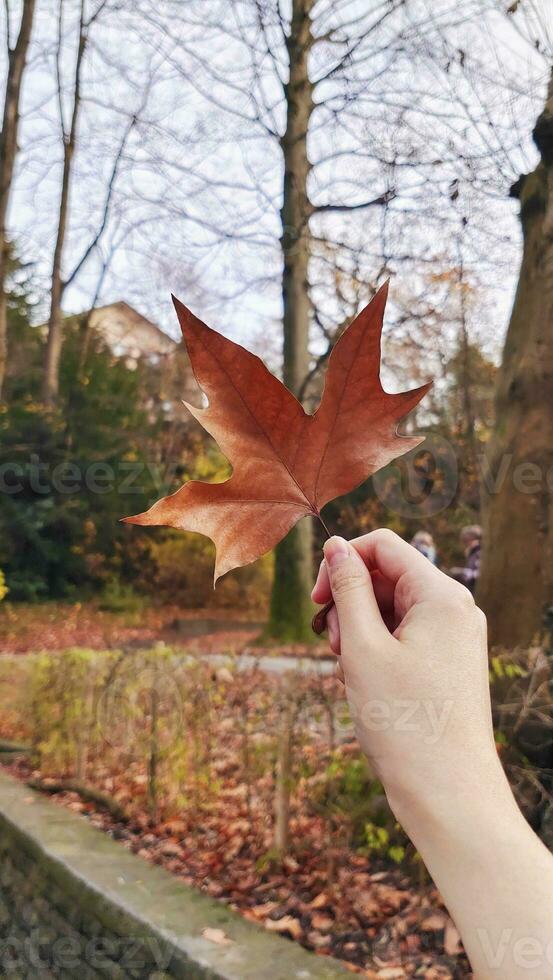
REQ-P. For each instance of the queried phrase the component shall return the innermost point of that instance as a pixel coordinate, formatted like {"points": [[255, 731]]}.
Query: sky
{"points": [[436, 103]]}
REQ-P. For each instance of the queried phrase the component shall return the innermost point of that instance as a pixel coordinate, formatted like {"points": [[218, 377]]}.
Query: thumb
{"points": [[353, 593]]}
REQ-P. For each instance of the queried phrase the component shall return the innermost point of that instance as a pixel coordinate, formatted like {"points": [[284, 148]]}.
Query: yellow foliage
{"points": [[184, 574]]}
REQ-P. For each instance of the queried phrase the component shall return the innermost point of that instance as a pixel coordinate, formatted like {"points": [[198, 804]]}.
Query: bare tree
{"points": [[518, 505], [516, 583], [17, 56], [68, 134], [323, 145], [314, 95], [69, 137]]}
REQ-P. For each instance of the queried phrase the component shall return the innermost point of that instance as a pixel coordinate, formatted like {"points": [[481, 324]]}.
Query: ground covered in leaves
{"points": [[373, 917], [58, 626], [187, 763]]}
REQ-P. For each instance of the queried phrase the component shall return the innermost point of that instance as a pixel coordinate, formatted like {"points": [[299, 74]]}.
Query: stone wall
{"points": [[73, 903]]}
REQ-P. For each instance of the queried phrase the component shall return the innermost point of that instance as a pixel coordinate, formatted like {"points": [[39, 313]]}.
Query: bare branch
{"points": [[94, 17], [59, 84], [107, 203], [382, 199], [8, 25]]}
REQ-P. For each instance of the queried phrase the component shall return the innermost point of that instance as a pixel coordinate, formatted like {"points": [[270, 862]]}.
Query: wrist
{"points": [[447, 810], [494, 875]]}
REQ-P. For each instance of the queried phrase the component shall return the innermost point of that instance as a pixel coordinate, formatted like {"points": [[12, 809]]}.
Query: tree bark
{"points": [[291, 609], [17, 57], [516, 584], [50, 382]]}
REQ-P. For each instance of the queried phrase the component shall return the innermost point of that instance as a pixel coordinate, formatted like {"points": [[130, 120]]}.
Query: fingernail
{"points": [[336, 551]]}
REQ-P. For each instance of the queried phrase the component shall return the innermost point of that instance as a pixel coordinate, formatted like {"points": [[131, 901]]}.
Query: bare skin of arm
{"points": [[412, 652]]}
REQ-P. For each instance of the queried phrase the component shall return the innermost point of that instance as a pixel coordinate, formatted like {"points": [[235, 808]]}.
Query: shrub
{"points": [[117, 597], [63, 692], [521, 683], [72, 472], [183, 574]]}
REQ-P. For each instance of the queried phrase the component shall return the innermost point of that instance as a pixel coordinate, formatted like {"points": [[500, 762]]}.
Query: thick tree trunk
{"points": [[516, 585], [50, 379], [8, 153], [290, 606]]}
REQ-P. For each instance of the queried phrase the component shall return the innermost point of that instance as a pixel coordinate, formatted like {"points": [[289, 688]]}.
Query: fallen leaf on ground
{"points": [[318, 941], [320, 901], [433, 922], [216, 936], [287, 924], [262, 911], [322, 922]]}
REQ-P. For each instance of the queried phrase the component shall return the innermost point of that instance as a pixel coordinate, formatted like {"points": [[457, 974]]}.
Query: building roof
{"points": [[128, 333]]}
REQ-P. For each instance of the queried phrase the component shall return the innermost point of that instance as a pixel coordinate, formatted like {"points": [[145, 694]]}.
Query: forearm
{"points": [[495, 875], [411, 637]]}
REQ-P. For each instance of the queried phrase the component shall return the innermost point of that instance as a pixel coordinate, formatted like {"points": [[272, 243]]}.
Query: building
{"points": [[130, 335], [133, 337]]}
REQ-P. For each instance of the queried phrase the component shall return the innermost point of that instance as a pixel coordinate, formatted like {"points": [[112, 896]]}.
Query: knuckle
{"points": [[384, 534], [457, 600], [463, 596], [481, 618], [467, 598]]}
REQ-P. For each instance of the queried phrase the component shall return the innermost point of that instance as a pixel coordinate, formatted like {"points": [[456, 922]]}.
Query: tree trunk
{"points": [[8, 152], [50, 380], [291, 608], [516, 585], [283, 776], [153, 755]]}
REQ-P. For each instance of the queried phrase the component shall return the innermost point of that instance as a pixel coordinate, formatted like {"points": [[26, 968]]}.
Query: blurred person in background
{"points": [[424, 542], [471, 541]]}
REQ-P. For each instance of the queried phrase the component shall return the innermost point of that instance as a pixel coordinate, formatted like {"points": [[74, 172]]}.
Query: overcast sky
{"points": [[197, 196]]}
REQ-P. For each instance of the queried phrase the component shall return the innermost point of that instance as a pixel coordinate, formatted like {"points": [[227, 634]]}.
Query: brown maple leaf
{"points": [[286, 464]]}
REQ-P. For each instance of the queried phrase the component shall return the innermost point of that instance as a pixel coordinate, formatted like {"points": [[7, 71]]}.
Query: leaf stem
{"points": [[318, 623], [329, 535]]}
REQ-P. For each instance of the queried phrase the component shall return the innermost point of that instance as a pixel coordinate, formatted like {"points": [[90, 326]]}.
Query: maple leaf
{"points": [[286, 463]]}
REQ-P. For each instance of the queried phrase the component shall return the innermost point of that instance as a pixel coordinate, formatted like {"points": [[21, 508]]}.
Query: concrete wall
{"points": [[73, 903]]}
